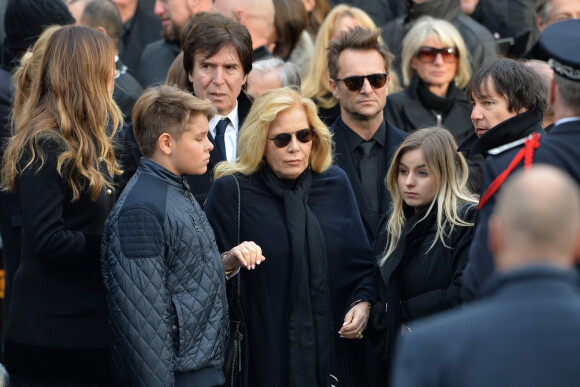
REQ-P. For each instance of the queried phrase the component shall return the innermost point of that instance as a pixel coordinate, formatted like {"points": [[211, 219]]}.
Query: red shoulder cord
{"points": [[526, 153]]}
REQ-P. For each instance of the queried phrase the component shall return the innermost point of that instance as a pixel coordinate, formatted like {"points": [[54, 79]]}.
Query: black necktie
{"points": [[220, 131], [369, 174]]}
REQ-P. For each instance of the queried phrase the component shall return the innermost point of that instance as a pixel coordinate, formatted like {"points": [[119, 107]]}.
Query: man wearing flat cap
{"points": [[561, 148]]}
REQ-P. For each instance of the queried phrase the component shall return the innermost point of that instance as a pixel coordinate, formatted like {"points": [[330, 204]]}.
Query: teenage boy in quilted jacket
{"points": [[164, 275]]}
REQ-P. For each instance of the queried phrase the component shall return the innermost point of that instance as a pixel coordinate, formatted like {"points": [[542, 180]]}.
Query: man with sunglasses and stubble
{"points": [[364, 141]]}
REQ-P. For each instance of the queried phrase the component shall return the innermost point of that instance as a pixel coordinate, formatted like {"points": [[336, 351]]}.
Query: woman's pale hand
{"points": [[246, 254], [355, 321]]}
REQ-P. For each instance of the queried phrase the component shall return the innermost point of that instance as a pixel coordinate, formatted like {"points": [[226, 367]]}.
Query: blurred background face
{"points": [[225, 7], [173, 15], [290, 161], [563, 10], [468, 6], [437, 74], [261, 81]]}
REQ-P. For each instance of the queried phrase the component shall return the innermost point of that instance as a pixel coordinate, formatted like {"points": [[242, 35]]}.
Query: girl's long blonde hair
{"points": [[68, 101], [450, 171], [253, 134]]}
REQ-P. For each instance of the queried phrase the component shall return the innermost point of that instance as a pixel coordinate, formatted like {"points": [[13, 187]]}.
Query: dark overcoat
{"points": [[524, 333], [58, 319], [265, 291], [560, 148]]}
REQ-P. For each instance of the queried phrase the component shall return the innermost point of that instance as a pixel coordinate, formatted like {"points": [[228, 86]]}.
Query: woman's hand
{"points": [[246, 254], [355, 321]]}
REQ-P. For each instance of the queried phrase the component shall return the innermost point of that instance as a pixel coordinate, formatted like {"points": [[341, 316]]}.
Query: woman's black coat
{"points": [[265, 291], [58, 321]]}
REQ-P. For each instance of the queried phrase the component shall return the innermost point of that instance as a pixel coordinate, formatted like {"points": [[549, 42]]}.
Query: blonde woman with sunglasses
{"points": [[436, 69], [309, 300]]}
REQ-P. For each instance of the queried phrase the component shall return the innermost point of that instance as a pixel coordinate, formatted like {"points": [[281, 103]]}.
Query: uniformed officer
{"points": [[560, 148]]}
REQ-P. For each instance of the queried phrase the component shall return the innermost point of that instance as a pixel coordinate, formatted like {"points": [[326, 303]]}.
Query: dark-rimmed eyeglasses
{"points": [[283, 139], [356, 83], [428, 54]]}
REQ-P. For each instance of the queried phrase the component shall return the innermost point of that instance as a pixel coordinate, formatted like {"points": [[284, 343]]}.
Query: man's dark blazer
{"points": [[524, 333], [343, 159], [560, 148], [200, 184]]}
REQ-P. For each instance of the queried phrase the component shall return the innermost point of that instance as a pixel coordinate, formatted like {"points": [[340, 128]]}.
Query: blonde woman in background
{"points": [[436, 69]]}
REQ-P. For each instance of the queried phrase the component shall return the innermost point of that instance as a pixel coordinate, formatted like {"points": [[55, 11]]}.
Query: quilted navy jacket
{"points": [[165, 281]]}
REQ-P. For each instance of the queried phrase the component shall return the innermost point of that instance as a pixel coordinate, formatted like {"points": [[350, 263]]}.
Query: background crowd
{"points": [[317, 183]]}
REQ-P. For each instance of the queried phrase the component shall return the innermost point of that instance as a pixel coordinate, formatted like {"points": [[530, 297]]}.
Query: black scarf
{"points": [[309, 314], [434, 102]]}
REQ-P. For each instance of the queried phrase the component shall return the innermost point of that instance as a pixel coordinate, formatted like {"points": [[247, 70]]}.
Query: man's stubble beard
{"points": [[171, 34]]}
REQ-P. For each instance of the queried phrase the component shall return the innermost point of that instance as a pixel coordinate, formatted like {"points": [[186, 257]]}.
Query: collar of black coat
{"points": [[530, 274], [512, 129]]}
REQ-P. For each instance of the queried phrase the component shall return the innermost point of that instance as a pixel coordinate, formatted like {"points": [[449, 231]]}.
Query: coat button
{"points": [[109, 191], [101, 159], [174, 327]]}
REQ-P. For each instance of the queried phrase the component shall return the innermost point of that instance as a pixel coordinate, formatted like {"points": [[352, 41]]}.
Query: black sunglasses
{"points": [[428, 54], [356, 83], [283, 139]]}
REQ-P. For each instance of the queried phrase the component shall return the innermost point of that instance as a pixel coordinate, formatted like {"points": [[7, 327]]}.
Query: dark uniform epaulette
{"points": [[508, 146]]}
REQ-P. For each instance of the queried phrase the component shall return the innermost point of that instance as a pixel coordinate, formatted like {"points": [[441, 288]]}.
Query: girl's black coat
{"points": [[435, 274]]}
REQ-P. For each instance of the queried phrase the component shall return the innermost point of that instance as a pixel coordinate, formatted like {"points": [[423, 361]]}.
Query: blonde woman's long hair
{"points": [[447, 34], [68, 102], [315, 82], [254, 132], [450, 171]]}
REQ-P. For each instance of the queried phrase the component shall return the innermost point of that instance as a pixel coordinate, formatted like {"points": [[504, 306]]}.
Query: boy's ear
{"points": [[165, 142]]}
